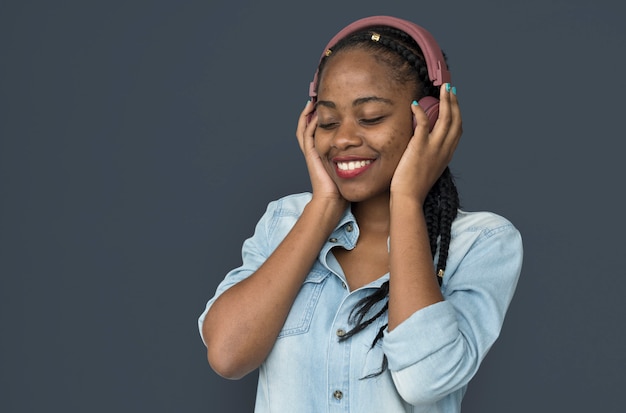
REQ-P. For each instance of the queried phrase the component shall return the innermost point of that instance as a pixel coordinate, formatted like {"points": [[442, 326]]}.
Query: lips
{"points": [[350, 168]]}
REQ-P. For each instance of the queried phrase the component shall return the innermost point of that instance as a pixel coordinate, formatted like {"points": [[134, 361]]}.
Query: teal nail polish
{"points": [[454, 90], [414, 103], [447, 87]]}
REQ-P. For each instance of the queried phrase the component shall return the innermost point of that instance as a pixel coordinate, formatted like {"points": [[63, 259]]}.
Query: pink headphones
{"points": [[437, 68]]}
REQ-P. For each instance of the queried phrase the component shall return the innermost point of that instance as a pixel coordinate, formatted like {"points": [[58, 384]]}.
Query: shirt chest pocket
{"points": [[301, 313]]}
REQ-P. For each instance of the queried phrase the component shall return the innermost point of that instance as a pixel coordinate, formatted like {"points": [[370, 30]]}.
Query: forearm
{"points": [[242, 325], [412, 282], [439, 348]]}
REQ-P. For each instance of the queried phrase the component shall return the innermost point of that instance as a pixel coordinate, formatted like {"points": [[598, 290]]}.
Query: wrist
{"points": [[328, 201], [327, 209], [405, 201]]}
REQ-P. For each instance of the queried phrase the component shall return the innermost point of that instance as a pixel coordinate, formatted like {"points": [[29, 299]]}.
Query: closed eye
{"points": [[372, 121], [327, 126]]}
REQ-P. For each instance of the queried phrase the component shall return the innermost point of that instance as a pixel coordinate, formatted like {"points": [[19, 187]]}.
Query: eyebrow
{"points": [[357, 102]]}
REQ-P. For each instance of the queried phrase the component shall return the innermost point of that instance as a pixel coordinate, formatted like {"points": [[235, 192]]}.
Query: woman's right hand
{"points": [[322, 185]]}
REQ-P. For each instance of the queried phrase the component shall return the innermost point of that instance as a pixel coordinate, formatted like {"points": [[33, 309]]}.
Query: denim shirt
{"points": [[431, 356]]}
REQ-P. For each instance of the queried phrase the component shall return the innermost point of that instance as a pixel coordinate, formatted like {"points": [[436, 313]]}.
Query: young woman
{"points": [[374, 292]]}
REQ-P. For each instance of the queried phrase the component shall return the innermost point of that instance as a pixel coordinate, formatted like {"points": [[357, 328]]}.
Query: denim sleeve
{"points": [[439, 348], [253, 253]]}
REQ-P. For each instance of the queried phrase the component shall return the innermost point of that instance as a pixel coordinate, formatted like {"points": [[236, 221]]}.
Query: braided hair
{"points": [[403, 55]]}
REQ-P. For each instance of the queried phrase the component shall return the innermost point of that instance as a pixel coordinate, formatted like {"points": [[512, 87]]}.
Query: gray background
{"points": [[141, 140]]}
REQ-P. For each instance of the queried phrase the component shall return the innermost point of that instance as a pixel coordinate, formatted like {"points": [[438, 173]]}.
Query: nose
{"points": [[346, 135]]}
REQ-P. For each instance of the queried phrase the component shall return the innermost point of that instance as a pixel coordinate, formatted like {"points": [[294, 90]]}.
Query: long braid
{"points": [[432, 214], [402, 53], [449, 205]]}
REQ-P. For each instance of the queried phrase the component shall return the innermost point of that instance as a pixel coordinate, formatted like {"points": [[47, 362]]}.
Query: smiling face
{"points": [[364, 123]]}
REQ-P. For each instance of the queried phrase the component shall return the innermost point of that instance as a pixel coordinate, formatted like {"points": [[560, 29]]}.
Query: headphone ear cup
{"points": [[430, 105]]}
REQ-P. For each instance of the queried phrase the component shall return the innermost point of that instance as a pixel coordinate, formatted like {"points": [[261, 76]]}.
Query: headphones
{"points": [[437, 69]]}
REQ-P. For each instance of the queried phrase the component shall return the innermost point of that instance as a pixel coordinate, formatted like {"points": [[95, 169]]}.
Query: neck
{"points": [[373, 215]]}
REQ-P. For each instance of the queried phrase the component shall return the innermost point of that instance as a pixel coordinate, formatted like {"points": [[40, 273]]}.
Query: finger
{"points": [[443, 121], [421, 120], [455, 128], [455, 111], [302, 120], [308, 138], [312, 127], [303, 123]]}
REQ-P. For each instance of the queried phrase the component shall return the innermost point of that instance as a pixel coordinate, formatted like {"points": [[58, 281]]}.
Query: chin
{"points": [[355, 196]]}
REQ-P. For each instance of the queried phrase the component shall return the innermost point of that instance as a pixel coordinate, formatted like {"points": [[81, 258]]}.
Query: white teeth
{"points": [[352, 165]]}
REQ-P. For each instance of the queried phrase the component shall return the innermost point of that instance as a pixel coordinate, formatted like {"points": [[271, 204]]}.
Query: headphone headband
{"points": [[435, 62]]}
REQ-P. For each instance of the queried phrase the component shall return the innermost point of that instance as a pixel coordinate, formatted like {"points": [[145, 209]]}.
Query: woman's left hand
{"points": [[428, 153]]}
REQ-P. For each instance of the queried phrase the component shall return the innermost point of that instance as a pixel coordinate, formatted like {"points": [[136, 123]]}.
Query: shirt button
{"points": [[338, 395], [341, 333], [343, 284], [333, 240], [349, 228]]}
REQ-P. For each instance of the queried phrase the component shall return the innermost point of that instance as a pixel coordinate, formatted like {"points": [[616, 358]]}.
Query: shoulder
{"points": [[482, 237], [280, 216], [484, 247], [482, 223], [289, 205]]}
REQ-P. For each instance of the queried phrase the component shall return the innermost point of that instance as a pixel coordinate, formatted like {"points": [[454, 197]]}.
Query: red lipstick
{"points": [[348, 168]]}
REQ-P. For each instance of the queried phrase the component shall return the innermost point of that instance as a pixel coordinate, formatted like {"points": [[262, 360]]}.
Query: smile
{"points": [[347, 169], [352, 165]]}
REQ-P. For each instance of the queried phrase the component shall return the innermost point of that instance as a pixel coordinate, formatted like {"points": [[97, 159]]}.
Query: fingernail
{"points": [[414, 103], [454, 90], [447, 87]]}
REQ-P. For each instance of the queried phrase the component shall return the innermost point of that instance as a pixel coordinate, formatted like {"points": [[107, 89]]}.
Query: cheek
{"points": [[321, 144], [397, 143]]}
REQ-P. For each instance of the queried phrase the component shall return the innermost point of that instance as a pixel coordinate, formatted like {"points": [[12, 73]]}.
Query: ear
{"points": [[430, 105]]}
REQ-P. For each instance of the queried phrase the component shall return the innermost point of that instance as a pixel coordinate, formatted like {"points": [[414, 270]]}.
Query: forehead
{"points": [[356, 71]]}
